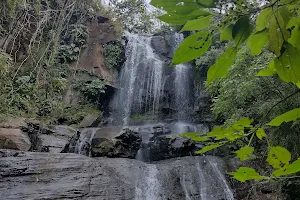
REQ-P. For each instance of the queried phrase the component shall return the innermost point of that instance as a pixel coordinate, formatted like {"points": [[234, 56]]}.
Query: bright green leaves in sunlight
{"points": [[269, 71], [244, 174], [196, 136], [263, 19], [260, 133], [294, 25], [241, 30], [258, 41], [192, 47], [279, 157], [197, 24], [209, 147], [223, 135], [224, 62], [290, 169], [289, 116], [287, 65], [245, 153]]}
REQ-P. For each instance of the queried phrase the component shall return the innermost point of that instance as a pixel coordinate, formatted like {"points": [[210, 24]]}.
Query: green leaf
{"points": [[287, 65], [242, 123], [208, 148], [220, 133], [175, 18], [291, 115], [226, 34], [192, 47], [294, 25], [245, 153], [241, 30], [263, 19], [197, 24], [207, 3], [176, 6], [224, 62], [258, 41], [290, 169], [269, 71], [195, 136], [244, 174], [279, 157], [277, 31], [260, 133]]}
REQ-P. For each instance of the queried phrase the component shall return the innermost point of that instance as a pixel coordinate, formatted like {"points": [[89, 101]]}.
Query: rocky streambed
{"points": [[35, 175], [39, 162]]}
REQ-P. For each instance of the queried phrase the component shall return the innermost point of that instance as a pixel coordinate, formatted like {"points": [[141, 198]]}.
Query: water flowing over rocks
{"points": [[137, 153], [30, 175]]}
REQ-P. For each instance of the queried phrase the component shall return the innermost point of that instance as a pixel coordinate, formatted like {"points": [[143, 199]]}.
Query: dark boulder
{"points": [[125, 145], [164, 147]]}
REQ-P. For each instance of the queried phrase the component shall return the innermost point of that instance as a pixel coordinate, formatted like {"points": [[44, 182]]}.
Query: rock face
{"points": [[48, 139], [71, 176], [165, 147], [92, 59]]}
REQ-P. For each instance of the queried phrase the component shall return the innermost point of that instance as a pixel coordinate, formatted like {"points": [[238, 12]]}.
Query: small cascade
{"points": [[148, 186], [141, 80], [183, 85], [83, 144], [203, 187], [221, 176]]}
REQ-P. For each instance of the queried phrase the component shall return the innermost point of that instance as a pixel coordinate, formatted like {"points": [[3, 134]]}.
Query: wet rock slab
{"points": [[30, 175]]}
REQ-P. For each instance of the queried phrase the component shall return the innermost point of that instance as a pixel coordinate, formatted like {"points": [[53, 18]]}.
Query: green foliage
{"points": [[133, 15], [193, 46], [260, 133], [240, 82], [223, 63], [245, 153], [244, 173], [114, 53], [72, 41], [197, 24], [37, 44], [91, 90], [292, 115]]}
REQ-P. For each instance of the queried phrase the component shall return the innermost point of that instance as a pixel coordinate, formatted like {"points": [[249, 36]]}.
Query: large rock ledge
{"points": [[30, 175], [34, 175]]}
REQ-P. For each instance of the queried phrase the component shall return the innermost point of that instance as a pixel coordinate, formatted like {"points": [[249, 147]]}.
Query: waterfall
{"points": [[147, 86], [183, 86], [148, 186], [83, 144], [226, 187], [141, 80]]}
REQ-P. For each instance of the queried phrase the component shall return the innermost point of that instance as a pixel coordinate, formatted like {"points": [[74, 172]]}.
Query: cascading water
{"points": [[147, 85], [141, 80], [183, 86], [83, 144]]}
